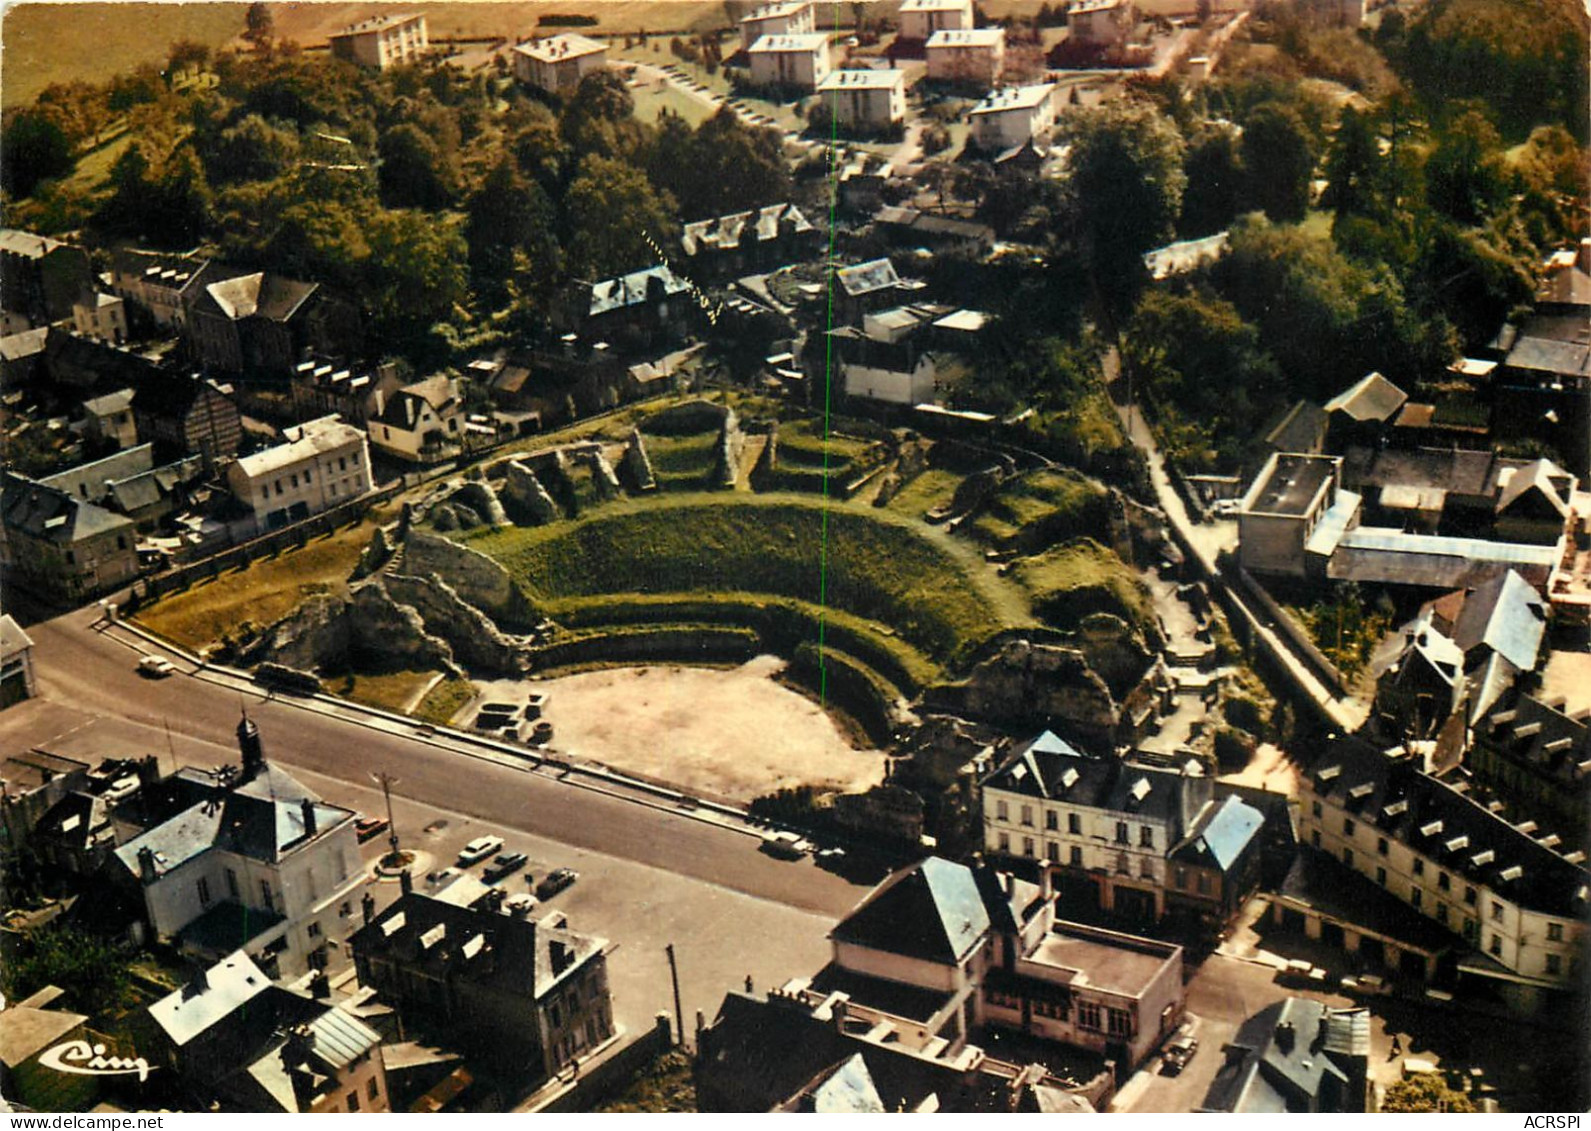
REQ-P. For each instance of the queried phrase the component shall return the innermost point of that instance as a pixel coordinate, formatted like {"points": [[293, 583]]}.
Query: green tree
{"points": [[1353, 167], [92, 971], [1278, 159], [415, 171], [600, 117], [1425, 1092], [614, 216], [1122, 197], [259, 24], [510, 225], [1464, 178], [33, 148], [1214, 168], [415, 272], [252, 150]]}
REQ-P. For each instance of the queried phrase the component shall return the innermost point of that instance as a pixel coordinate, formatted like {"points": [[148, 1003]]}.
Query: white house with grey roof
{"points": [[870, 101], [383, 41], [956, 948], [323, 463], [246, 858], [1295, 1055], [1013, 117], [919, 19], [1513, 906], [790, 62], [968, 57], [557, 63], [787, 17], [1105, 821]]}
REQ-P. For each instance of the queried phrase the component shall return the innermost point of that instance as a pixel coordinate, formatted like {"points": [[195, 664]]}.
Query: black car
{"points": [[504, 865], [555, 881]]}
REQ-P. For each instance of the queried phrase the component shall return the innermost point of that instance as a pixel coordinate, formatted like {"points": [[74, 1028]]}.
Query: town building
{"points": [[382, 41], [795, 63], [803, 1050], [262, 323], [1012, 117], [1535, 756], [865, 101], [156, 284], [789, 17], [16, 663], [984, 948], [62, 548], [1216, 867], [129, 484], [1290, 498], [887, 357], [422, 422], [1363, 413], [101, 316], [920, 19], [322, 464], [1106, 822], [641, 310], [245, 857], [22, 356], [185, 414], [84, 367], [31, 783], [1301, 429], [558, 63], [1513, 906], [864, 288], [1296, 1055], [971, 58], [1102, 23], [746, 243], [41, 277], [108, 420], [238, 1040], [520, 993], [915, 228]]}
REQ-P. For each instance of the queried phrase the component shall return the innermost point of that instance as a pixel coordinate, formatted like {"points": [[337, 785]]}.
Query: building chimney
{"points": [[841, 1010], [1285, 1036], [252, 749], [308, 808], [148, 770], [146, 865], [562, 956], [405, 881]]}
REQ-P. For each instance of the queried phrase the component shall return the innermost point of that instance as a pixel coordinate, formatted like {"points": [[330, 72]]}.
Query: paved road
{"points": [[82, 667]]}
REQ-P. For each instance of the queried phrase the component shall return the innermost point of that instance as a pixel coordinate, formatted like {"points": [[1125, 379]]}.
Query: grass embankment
{"points": [[1038, 509], [262, 592], [445, 700], [810, 461], [1069, 582], [386, 691], [788, 546]]}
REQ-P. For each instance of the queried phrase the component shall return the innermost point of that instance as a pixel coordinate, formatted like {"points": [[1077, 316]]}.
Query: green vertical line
{"points": [[828, 392]]}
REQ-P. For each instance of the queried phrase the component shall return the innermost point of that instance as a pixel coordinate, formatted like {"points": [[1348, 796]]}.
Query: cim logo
{"points": [[83, 1059]]}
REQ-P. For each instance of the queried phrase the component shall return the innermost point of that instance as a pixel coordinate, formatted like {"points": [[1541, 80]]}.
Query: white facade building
{"points": [[253, 857], [973, 57], [1520, 904], [919, 19], [382, 41], [101, 316], [792, 17], [866, 100], [1108, 23], [794, 62], [1012, 117], [559, 62], [420, 422], [323, 463]]}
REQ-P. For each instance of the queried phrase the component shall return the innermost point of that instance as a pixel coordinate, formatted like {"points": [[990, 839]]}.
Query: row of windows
{"points": [[1074, 824], [1052, 853]]}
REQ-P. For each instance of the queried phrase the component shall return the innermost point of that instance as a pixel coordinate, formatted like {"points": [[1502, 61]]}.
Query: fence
{"points": [[294, 536], [1288, 625]]}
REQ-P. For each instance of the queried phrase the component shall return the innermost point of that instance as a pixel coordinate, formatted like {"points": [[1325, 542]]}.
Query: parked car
{"points": [[479, 849], [156, 667], [520, 904], [555, 881], [1179, 1050], [785, 845], [368, 828], [505, 864]]}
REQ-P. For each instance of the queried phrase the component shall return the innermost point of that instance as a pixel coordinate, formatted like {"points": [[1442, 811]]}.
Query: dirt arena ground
{"points": [[736, 733]]}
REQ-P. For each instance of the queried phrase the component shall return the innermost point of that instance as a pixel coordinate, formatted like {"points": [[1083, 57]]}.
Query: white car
{"points": [[479, 849], [157, 666]]}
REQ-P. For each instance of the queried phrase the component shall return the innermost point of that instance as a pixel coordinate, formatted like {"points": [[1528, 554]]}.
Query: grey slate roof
{"points": [[1221, 833], [225, 987], [1462, 835], [632, 289], [1507, 617], [848, 1088], [728, 231], [864, 278], [1372, 397], [52, 515], [932, 911], [1265, 1074]]}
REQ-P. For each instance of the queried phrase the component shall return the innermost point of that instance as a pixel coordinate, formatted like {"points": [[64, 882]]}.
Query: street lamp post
{"points": [[387, 781]]}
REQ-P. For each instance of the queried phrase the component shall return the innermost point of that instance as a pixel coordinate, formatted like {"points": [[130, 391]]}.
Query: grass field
{"points": [[388, 691], [445, 700], [49, 43], [862, 562], [1069, 582], [264, 593], [1040, 508]]}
